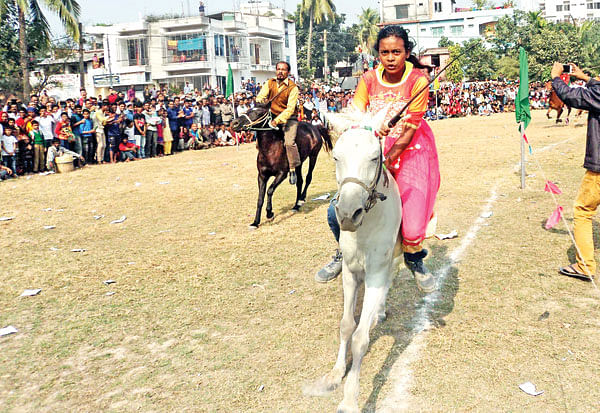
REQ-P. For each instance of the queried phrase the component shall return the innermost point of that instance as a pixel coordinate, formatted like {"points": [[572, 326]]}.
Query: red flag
{"points": [[526, 140], [554, 218], [551, 187]]}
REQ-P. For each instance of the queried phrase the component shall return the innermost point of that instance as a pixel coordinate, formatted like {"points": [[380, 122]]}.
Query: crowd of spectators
{"points": [[123, 127]]}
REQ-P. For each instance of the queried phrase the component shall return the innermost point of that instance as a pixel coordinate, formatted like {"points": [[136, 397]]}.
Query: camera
{"points": [[566, 68]]}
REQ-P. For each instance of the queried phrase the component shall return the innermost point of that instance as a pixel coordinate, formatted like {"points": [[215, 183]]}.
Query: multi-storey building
{"points": [[429, 21], [570, 10], [197, 49]]}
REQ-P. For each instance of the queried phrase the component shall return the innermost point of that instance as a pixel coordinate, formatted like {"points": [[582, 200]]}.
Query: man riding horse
{"points": [[282, 93]]}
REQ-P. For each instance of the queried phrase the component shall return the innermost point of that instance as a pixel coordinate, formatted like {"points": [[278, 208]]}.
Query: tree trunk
{"points": [[309, 41], [23, 55]]}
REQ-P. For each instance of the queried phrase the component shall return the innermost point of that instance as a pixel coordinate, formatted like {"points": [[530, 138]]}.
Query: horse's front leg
{"points": [[332, 380], [559, 112], [311, 166], [299, 181], [262, 185], [278, 179], [360, 343]]}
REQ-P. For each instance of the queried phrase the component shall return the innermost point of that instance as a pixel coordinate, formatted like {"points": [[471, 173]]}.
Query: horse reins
{"points": [[374, 195], [262, 120]]}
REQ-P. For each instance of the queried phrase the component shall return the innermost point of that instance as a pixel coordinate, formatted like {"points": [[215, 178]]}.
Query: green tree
{"points": [[508, 67], [368, 29], [455, 72], [480, 4], [478, 61], [317, 11], [445, 42], [25, 13]]}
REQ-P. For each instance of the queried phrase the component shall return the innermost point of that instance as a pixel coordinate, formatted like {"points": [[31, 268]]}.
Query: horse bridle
{"points": [[374, 195], [267, 117]]}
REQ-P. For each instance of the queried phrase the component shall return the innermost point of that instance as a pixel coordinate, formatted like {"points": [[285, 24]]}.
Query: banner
{"points": [[190, 44]]}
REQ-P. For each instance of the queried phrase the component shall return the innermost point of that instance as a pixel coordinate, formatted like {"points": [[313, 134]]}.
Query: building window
{"points": [[437, 31], [559, 7], [219, 45], [456, 30], [566, 7], [437, 6], [137, 52], [287, 59], [190, 47], [402, 11]]}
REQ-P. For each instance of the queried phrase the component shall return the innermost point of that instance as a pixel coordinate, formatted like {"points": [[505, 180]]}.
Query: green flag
{"points": [[522, 112], [229, 85]]}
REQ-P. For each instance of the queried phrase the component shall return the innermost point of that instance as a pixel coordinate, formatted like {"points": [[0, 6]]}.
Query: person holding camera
{"points": [[588, 197]]}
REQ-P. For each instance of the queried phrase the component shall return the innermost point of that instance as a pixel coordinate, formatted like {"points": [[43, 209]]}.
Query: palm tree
{"points": [[315, 10], [368, 29], [30, 11]]}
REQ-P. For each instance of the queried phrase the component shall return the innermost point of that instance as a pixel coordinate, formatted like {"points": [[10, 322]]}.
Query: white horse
{"points": [[369, 216]]}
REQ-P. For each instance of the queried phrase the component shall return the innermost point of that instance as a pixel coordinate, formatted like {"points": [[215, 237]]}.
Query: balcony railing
{"points": [[196, 57], [140, 61], [238, 59]]}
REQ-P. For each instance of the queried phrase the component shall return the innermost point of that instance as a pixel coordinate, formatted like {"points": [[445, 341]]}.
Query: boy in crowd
{"points": [[86, 131], [39, 147], [127, 149], [5, 173], [8, 144], [54, 151]]}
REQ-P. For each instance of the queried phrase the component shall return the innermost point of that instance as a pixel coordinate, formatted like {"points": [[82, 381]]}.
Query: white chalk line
{"points": [[398, 398]]}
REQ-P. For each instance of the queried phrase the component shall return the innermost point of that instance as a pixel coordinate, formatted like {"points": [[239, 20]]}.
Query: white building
{"points": [[570, 10], [197, 49], [429, 21]]}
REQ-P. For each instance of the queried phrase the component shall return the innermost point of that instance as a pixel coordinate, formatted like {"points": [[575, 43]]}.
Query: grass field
{"points": [[208, 316]]}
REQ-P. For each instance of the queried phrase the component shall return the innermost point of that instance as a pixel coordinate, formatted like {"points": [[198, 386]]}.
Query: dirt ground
{"points": [[207, 316]]}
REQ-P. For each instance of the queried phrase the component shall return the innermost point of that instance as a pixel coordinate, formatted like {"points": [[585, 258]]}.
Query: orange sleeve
{"points": [[417, 108], [361, 96]]}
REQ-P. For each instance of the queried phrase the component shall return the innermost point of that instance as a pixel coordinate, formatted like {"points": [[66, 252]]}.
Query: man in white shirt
{"points": [[224, 136]]}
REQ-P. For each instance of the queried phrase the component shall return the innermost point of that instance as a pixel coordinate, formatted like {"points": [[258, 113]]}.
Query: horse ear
{"points": [[338, 123], [378, 118]]}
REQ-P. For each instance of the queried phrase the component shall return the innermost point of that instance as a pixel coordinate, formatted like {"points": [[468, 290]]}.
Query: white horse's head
{"points": [[358, 159]]}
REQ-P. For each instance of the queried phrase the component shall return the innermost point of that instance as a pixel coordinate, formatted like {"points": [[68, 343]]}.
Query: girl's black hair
{"points": [[400, 32]]}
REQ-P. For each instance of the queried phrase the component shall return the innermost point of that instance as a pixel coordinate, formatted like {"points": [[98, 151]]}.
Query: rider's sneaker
{"points": [[424, 278], [330, 271], [293, 178]]}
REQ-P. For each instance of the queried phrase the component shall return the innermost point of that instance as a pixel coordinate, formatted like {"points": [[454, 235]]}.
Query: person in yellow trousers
{"points": [[167, 134], [588, 198]]}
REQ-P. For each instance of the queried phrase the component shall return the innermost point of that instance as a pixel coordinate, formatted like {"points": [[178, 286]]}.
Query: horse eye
{"points": [[335, 159], [375, 159]]}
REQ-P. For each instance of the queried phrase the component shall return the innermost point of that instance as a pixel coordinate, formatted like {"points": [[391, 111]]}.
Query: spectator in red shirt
{"points": [[127, 149]]}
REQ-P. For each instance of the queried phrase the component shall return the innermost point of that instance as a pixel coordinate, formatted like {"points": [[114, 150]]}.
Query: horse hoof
{"points": [[252, 227], [270, 216], [300, 202], [342, 408], [321, 387], [296, 208]]}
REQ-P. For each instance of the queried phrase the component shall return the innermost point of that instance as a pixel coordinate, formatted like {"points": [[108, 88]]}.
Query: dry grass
{"points": [[199, 322]]}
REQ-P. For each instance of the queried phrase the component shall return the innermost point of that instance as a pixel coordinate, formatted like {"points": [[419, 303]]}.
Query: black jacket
{"points": [[587, 98]]}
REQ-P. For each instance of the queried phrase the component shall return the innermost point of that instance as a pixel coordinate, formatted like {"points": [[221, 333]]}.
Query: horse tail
{"points": [[326, 139]]}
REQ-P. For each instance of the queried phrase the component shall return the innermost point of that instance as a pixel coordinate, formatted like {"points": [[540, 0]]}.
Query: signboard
{"points": [[345, 71], [105, 80], [63, 86]]}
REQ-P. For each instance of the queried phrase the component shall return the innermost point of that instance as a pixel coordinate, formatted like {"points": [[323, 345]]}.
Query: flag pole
{"points": [[522, 129]]}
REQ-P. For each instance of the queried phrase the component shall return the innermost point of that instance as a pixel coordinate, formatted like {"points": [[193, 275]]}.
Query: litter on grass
{"points": [[529, 388], [109, 282], [137, 183], [212, 233], [6, 218], [449, 235], [261, 387], [47, 209], [53, 249], [49, 226], [31, 293], [119, 221], [110, 293], [323, 197], [544, 315], [97, 217], [164, 183], [78, 250], [486, 214], [8, 330]]}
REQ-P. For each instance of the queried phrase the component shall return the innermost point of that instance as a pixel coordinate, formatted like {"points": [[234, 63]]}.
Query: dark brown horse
{"points": [[272, 160]]}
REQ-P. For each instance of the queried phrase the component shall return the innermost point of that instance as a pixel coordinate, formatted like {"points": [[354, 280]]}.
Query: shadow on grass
{"points": [[307, 208], [405, 307]]}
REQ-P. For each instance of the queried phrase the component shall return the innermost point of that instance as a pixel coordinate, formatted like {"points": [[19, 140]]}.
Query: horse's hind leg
{"points": [[278, 179], [332, 380], [548, 113], [558, 113], [262, 185], [568, 114], [311, 166]]}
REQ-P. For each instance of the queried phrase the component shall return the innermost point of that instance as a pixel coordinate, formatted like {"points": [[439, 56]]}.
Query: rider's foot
{"points": [[423, 277], [292, 178], [330, 271]]}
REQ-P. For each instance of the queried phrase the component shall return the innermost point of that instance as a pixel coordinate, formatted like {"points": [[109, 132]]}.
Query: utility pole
{"points": [[325, 68], [81, 69], [110, 77]]}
